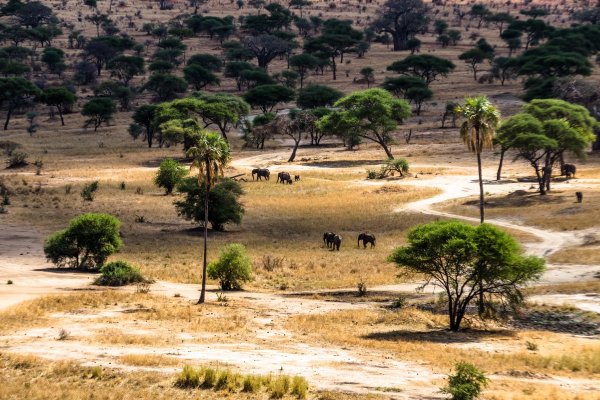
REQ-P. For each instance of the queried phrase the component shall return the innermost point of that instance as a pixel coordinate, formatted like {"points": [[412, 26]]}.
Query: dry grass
{"points": [[577, 255], [566, 288], [149, 360], [124, 307], [421, 337], [558, 210]]}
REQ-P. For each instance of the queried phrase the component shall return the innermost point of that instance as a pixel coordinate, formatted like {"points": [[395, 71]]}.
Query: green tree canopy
{"points": [[314, 96], [466, 262], [266, 97], [371, 114], [60, 98], [98, 110], [424, 66]]}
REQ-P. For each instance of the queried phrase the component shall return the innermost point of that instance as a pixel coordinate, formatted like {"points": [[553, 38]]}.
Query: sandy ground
{"points": [[273, 348]]}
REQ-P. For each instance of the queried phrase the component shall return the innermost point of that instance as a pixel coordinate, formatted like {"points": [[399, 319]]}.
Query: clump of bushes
{"points": [[119, 273], [232, 269], [210, 378], [169, 174], [86, 243]]}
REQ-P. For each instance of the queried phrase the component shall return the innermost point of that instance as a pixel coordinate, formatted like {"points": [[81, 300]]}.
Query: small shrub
{"points": [[361, 287], [39, 164], [122, 186], [139, 190], [188, 378], [210, 378], [466, 384], [140, 219], [221, 298], [279, 386], [68, 188], [227, 380], [372, 174], [5, 200], [63, 334], [233, 267], [88, 191], [17, 159], [9, 282], [169, 174], [270, 263], [531, 346], [299, 387], [143, 287], [251, 383], [399, 302], [119, 273], [96, 372]]}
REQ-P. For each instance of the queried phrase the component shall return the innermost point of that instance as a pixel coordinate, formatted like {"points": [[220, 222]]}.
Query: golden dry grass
{"points": [[577, 255], [558, 210], [149, 360], [421, 337]]}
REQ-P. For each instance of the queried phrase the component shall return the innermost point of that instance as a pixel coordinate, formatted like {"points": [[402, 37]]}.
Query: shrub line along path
{"points": [[326, 366]]}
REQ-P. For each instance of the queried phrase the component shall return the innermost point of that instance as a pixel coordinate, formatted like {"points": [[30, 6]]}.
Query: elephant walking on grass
{"points": [[366, 238], [328, 239], [283, 177], [337, 242], [261, 173]]}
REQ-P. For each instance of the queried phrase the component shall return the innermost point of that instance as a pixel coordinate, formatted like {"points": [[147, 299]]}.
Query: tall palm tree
{"points": [[480, 121], [210, 154]]}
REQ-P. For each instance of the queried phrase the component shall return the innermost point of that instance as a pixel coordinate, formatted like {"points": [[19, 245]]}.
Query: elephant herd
{"points": [[334, 241], [282, 177]]}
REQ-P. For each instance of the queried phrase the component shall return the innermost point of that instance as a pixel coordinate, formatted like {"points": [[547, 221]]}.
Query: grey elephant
{"points": [[261, 173], [568, 170], [366, 238], [328, 239], [283, 177], [337, 242]]}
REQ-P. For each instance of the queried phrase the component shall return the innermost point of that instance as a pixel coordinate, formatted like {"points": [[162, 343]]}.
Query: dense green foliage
{"points": [[169, 174], [233, 267], [86, 243], [468, 263], [119, 273]]}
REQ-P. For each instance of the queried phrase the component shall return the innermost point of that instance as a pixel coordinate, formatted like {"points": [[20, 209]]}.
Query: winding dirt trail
{"points": [[326, 366]]}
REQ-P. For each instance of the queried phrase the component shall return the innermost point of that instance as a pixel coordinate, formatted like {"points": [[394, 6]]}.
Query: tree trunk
{"points": [[481, 194], [62, 121], [293, 155], [333, 68], [387, 150], [8, 115], [204, 261], [149, 136], [499, 173]]}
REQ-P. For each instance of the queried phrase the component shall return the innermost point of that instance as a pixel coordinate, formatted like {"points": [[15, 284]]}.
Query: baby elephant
{"points": [[289, 182], [366, 238], [337, 242], [296, 178]]}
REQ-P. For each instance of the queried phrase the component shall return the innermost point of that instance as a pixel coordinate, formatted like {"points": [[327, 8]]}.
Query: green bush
{"points": [[169, 174], [87, 193], [279, 386], [232, 268], [119, 273], [188, 378], [466, 384], [17, 159], [299, 387], [86, 243], [399, 165], [223, 202], [251, 383], [210, 378]]}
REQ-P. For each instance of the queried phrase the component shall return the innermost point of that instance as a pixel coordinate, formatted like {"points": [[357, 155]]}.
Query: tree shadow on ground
{"points": [[340, 163], [440, 336]]}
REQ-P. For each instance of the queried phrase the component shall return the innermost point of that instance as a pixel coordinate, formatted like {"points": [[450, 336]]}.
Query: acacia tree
{"points": [[402, 19], [302, 64], [555, 127], [425, 66], [144, 116], [60, 98], [126, 67], [16, 92], [265, 48], [98, 110], [371, 114], [481, 119], [266, 97], [468, 262]]}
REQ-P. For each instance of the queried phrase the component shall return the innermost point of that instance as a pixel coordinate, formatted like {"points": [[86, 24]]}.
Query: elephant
{"points": [[337, 242], [283, 177], [296, 178], [289, 182], [328, 239], [261, 173], [568, 170], [366, 238]]}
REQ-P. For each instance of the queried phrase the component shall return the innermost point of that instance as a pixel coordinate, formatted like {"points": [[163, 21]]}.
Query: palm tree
{"points": [[210, 154], [481, 119]]}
